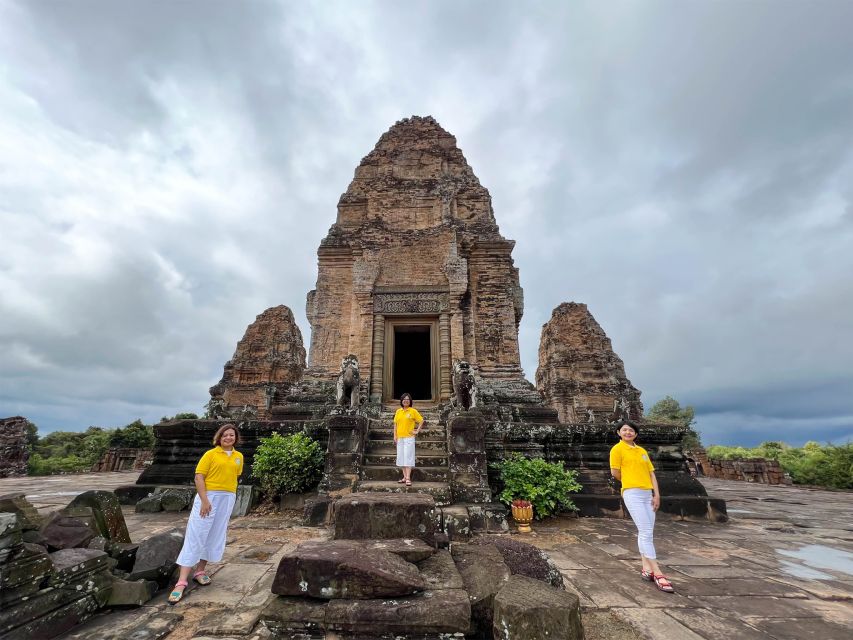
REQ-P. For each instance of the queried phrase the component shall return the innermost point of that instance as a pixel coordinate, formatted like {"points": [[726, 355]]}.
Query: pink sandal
{"points": [[201, 577], [175, 596]]}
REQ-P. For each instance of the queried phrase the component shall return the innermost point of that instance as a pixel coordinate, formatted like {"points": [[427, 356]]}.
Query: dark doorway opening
{"points": [[412, 366]]}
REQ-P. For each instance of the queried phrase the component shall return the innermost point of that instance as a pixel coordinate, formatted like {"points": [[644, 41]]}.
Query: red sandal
{"points": [[648, 576], [663, 583]]}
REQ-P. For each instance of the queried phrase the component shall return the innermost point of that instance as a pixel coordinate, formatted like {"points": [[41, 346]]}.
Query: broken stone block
{"points": [[122, 553], [484, 573], [440, 572], [107, 512], [149, 504], [82, 570], [293, 614], [17, 503], [456, 523], [23, 572], [432, 612], [67, 532], [245, 499], [409, 549], [155, 557], [131, 593], [176, 499], [526, 560], [528, 609], [364, 516], [130, 494], [317, 511], [345, 569]]}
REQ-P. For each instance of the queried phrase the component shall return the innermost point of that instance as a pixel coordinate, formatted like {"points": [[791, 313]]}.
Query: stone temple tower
{"points": [[414, 273]]}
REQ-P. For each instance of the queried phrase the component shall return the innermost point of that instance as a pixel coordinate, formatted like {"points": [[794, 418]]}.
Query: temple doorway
{"points": [[411, 352]]}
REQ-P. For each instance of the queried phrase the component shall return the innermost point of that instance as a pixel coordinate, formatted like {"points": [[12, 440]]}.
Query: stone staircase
{"points": [[431, 474]]}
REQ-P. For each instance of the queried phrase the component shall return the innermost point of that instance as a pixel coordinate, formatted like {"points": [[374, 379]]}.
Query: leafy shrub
{"points": [[287, 464], [545, 484], [134, 436], [40, 466], [823, 465]]}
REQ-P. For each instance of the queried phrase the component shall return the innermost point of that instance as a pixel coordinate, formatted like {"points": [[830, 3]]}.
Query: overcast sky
{"points": [[167, 170]]}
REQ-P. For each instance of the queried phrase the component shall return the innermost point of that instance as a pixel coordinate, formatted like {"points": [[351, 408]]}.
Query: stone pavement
{"points": [[782, 569]]}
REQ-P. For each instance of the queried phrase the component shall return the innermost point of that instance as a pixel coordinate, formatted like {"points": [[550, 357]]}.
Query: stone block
{"points": [[107, 512], [432, 612], [66, 532], [598, 506], [24, 572], [488, 518], [82, 570], [156, 555], [149, 504], [384, 516], [295, 500], [410, 549], [456, 523], [484, 573], [290, 614], [130, 494], [17, 503], [345, 569], [131, 593], [440, 572], [247, 494], [317, 511], [528, 609], [178, 499], [346, 433]]}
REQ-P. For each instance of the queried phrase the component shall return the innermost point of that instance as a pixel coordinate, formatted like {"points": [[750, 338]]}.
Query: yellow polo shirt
{"points": [[220, 470], [635, 465], [405, 421]]}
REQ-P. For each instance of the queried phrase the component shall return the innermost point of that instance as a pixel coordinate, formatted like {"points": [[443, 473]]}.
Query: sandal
{"points": [[401, 481], [646, 575], [200, 577], [175, 596], [408, 483], [663, 583]]}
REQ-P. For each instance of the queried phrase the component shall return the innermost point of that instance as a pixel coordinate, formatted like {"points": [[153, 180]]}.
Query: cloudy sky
{"points": [[167, 170]]}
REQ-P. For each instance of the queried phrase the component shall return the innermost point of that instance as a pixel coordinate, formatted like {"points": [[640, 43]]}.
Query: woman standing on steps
{"points": [[630, 464], [407, 424], [216, 485]]}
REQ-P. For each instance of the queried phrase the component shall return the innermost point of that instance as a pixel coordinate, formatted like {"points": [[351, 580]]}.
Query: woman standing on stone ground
{"points": [[630, 464], [216, 485], [407, 424]]}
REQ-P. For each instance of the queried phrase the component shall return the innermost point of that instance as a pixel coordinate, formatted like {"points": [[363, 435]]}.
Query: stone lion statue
{"points": [[464, 386], [349, 380]]}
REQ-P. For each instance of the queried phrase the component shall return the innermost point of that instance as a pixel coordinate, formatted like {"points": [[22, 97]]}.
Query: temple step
{"points": [[389, 458], [440, 491], [428, 433], [393, 473], [388, 446]]}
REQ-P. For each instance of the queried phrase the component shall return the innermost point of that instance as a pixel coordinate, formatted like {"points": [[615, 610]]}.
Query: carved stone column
{"points": [[377, 363], [444, 368]]}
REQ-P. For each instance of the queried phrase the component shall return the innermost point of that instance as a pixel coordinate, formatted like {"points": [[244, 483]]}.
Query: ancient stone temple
{"points": [[579, 374], [415, 274], [417, 292], [268, 359], [14, 452]]}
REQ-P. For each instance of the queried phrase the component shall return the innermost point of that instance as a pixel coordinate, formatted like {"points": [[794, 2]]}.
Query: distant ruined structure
{"points": [[268, 359], [14, 453], [417, 292], [579, 374]]}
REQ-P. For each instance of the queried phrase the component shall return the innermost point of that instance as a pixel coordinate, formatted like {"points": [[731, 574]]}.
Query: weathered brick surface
{"points": [[579, 373], [14, 454], [269, 358]]}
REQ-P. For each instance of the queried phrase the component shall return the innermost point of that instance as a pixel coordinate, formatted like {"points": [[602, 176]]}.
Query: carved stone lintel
{"points": [[410, 303]]}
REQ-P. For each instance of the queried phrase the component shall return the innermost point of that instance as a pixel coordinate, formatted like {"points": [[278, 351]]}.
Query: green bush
{"points": [[546, 485], [40, 466], [287, 464]]}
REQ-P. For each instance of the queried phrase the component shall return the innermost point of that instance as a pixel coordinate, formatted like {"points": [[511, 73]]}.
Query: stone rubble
{"points": [[14, 452]]}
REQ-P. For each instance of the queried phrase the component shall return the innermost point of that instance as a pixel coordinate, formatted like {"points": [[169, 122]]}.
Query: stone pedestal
{"points": [[469, 481], [345, 452]]}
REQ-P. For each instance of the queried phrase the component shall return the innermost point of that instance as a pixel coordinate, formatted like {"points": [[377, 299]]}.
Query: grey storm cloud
{"points": [[167, 171]]}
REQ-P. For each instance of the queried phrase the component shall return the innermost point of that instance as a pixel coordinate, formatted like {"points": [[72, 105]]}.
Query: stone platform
{"points": [[781, 568]]}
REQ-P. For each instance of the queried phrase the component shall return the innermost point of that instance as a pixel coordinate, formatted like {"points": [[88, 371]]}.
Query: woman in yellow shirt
{"points": [[216, 485], [630, 464], [407, 424]]}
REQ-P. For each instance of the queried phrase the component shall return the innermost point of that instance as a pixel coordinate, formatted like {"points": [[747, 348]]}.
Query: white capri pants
{"points": [[639, 504], [406, 452], [205, 537]]}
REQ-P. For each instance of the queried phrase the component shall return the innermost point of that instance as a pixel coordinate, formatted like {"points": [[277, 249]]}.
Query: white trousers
{"points": [[406, 452], [639, 504], [205, 537]]}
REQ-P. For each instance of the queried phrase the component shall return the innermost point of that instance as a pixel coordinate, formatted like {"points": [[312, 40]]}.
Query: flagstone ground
{"points": [[781, 568]]}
